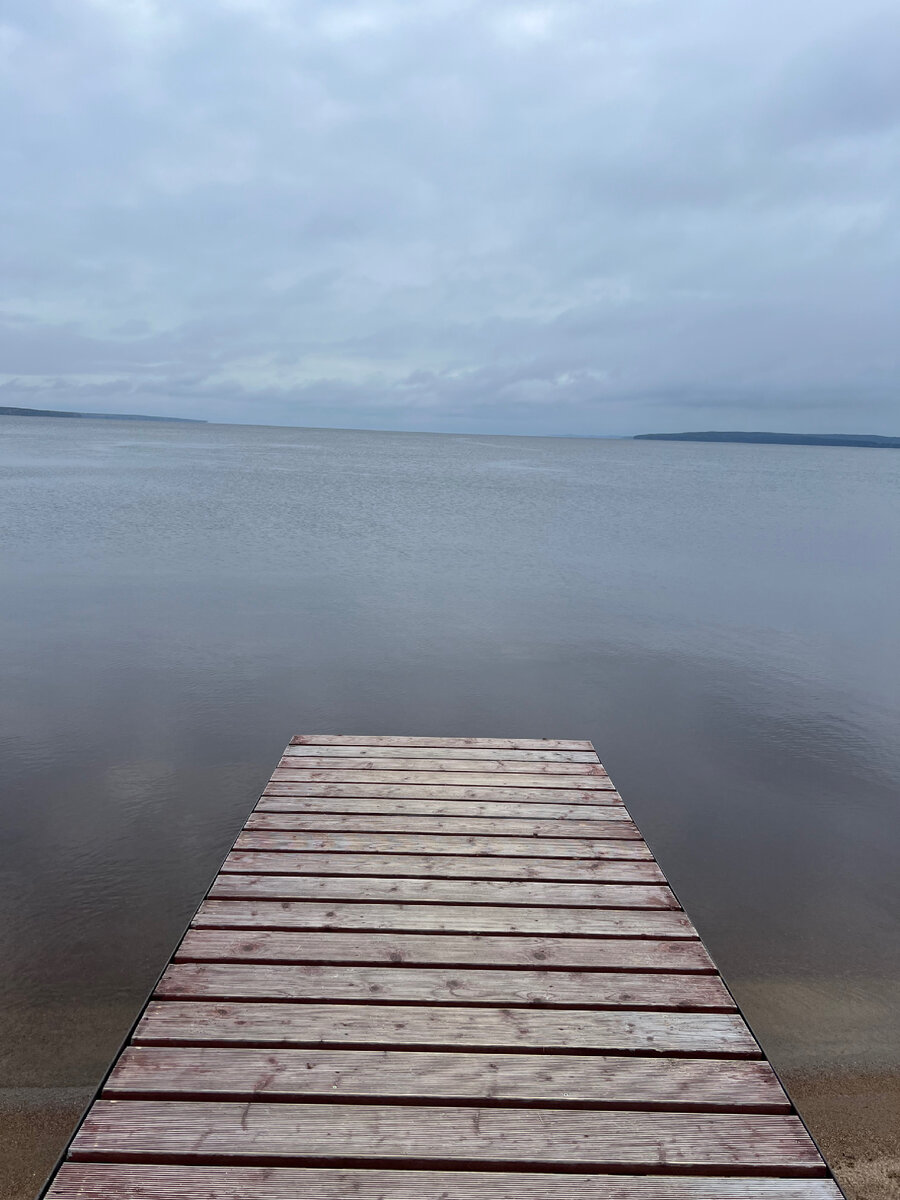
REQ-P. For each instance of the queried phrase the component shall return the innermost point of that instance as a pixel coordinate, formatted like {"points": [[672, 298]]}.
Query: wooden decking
{"points": [[441, 968]]}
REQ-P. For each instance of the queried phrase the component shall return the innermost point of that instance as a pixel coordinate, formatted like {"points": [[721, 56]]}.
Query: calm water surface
{"points": [[178, 600]]}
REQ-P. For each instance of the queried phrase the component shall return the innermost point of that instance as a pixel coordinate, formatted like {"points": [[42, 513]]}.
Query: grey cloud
{"points": [[843, 87], [576, 218]]}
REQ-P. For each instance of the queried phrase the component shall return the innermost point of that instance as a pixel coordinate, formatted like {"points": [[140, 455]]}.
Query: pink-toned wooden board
{"points": [[442, 866], [618, 827], [141, 1181], [445, 843], [301, 787], [445, 950], [295, 762], [230, 886]]}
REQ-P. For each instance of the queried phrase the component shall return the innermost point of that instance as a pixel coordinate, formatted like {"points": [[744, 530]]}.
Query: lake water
{"points": [[176, 601]]}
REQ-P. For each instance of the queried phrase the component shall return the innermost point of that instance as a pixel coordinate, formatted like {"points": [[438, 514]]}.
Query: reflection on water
{"points": [[719, 620]]}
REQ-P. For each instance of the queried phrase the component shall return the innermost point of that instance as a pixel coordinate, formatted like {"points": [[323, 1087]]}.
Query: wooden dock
{"points": [[441, 969]]}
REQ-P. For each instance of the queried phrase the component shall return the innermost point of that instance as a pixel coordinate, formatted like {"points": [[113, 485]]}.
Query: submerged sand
{"points": [[35, 1125], [855, 1118]]}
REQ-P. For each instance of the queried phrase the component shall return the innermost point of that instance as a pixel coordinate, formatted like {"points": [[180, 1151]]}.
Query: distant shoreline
{"points": [[870, 440], [92, 416]]}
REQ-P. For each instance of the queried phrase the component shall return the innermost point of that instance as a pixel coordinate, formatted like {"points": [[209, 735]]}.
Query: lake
{"points": [[178, 600]]}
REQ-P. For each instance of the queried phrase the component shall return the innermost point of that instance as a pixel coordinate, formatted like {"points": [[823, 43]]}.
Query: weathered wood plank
{"points": [[443, 918], [446, 791], [137, 1181], [447, 866], [460, 826], [636, 1140], [432, 985], [622, 1031], [442, 891], [412, 843], [608, 811], [440, 778], [682, 1084], [342, 739], [447, 950], [445, 754], [454, 766]]}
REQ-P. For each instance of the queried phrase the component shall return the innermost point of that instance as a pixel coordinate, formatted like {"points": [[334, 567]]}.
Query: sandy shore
{"points": [[855, 1118]]}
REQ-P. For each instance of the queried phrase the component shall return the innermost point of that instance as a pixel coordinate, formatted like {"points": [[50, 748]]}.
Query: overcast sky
{"points": [[614, 216]]}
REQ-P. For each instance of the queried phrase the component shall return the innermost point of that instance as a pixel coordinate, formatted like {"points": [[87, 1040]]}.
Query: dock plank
{"points": [[446, 950], [443, 866], [618, 827], [443, 753], [412, 843], [343, 739], [557, 1080], [410, 985], [213, 1131], [442, 891], [611, 810], [137, 1181], [170, 1022], [441, 778], [456, 766], [443, 918], [602, 794]]}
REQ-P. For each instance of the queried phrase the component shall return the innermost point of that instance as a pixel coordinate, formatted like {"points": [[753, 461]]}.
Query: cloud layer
{"points": [[608, 216]]}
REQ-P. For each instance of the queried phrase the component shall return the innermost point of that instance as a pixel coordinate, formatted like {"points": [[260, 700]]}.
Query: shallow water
{"points": [[176, 601]]}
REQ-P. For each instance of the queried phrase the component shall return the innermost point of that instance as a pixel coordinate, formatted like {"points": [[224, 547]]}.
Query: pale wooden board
{"points": [[682, 1084], [170, 1022], [442, 778], [343, 739], [447, 866], [431, 985], [552, 1136], [412, 843], [443, 918], [408, 791], [610, 810], [447, 950], [136, 1181], [459, 826], [456, 766], [442, 891], [443, 754]]}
